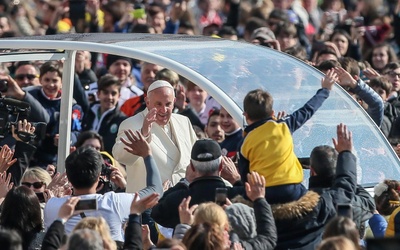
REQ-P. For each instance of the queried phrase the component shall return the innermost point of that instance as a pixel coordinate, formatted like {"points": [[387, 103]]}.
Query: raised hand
{"points": [[5, 184], [186, 214], [344, 139], [68, 208], [117, 177], [148, 121], [25, 130], [345, 79], [255, 186], [329, 80], [59, 180], [136, 143], [138, 205], [6, 161], [229, 171], [370, 73]]}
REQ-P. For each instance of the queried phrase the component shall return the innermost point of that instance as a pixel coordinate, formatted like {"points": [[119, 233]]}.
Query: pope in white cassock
{"points": [[171, 138]]}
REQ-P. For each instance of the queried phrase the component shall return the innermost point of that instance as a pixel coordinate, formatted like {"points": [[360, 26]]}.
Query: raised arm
{"points": [[303, 114], [366, 93], [346, 178], [266, 229], [136, 144]]}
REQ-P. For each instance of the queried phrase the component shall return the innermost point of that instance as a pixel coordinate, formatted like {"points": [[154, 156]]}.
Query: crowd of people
{"points": [[156, 162]]}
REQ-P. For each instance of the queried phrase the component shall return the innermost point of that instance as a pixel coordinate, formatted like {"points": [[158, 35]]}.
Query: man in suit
{"points": [[171, 138]]}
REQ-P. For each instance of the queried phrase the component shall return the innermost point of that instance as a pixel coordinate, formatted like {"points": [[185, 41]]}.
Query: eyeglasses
{"points": [[21, 77], [394, 74], [36, 185]]}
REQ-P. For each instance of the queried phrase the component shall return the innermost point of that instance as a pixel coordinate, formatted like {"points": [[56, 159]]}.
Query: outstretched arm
{"points": [[303, 114], [136, 144], [346, 178]]}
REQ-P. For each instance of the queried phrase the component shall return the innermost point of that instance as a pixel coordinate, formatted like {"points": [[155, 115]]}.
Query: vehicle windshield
{"points": [[229, 70]]}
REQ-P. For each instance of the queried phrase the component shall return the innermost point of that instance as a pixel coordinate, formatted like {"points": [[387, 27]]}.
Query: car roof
{"points": [[227, 70]]}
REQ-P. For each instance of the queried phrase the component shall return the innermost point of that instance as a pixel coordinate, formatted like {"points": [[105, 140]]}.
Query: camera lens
{"points": [[3, 85]]}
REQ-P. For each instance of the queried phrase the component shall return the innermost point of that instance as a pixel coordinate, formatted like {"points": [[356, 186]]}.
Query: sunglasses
{"points": [[36, 185], [21, 77]]}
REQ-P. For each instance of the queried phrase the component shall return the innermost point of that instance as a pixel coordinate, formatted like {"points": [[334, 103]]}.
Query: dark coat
{"points": [[363, 204], [201, 190], [300, 223], [108, 128]]}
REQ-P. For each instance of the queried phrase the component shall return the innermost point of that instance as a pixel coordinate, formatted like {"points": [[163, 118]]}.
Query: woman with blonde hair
{"points": [[37, 179], [212, 213], [100, 225]]}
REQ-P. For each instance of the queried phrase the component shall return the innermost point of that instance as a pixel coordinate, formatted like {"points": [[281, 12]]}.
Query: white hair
{"points": [[207, 167]]}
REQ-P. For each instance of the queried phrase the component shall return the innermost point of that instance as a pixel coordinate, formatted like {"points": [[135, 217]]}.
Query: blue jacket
{"points": [[374, 101]]}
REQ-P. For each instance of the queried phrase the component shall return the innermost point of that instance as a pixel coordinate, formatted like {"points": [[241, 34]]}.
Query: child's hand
{"points": [[329, 80]]}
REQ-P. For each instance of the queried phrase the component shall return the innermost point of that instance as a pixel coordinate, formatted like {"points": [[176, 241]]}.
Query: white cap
{"points": [[159, 84]]}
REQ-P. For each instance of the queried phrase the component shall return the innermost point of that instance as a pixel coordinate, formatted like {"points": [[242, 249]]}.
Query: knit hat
{"points": [[206, 150], [241, 218], [113, 58]]}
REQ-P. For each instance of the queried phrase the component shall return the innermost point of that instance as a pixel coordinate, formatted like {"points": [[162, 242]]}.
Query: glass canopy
{"points": [[228, 70]]}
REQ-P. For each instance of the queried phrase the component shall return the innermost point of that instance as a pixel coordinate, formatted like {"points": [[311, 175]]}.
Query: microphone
{"points": [[15, 103]]}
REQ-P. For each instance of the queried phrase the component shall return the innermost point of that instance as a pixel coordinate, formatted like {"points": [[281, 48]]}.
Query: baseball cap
{"points": [[205, 150]]}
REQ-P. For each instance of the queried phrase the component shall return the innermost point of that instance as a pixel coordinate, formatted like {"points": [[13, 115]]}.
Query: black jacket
{"points": [[108, 128], [24, 153], [363, 204], [300, 223], [201, 190]]}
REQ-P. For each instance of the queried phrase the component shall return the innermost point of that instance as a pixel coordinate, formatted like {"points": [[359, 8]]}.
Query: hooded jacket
{"points": [[300, 223]]}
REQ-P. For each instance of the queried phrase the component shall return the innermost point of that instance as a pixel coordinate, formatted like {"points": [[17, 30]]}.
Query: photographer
{"points": [[10, 88], [112, 177]]}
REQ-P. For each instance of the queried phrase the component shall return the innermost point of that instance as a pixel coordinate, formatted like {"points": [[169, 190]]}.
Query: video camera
{"points": [[12, 111]]}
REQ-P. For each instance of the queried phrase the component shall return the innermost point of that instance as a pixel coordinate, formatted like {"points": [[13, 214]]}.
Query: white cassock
{"points": [[171, 146]]}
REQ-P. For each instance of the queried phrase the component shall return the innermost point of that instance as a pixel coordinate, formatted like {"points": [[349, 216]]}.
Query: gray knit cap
{"points": [[242, 220]]}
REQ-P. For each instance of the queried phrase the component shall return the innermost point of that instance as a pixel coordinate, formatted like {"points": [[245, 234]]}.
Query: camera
{"points": [[106, 170], [12, 111], [3, 85]]}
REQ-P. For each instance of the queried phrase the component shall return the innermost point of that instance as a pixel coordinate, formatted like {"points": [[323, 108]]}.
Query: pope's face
{"points": [[163, 100]]}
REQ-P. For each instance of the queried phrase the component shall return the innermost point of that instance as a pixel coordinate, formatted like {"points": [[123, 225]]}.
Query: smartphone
{"points": [[220, 196], [86, 204], [40, 197], [345, 210], [358, 21], [383, 243], [138, 11]]}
